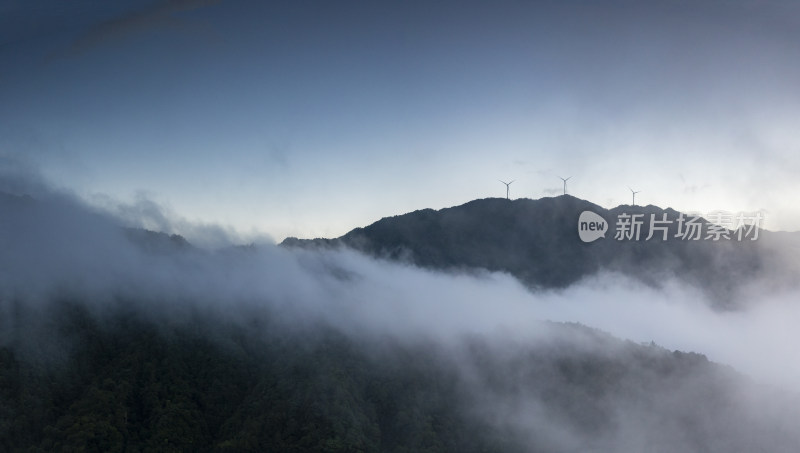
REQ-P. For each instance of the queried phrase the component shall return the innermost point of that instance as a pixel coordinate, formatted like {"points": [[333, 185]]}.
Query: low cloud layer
{"points": [[54, 244], [55, 248]]}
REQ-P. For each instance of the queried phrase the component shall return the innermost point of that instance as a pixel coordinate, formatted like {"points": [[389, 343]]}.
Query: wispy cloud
{"points": [[159, 14]]}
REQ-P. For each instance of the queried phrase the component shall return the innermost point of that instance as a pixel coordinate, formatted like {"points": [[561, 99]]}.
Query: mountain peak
{"points": [[537, 241]]}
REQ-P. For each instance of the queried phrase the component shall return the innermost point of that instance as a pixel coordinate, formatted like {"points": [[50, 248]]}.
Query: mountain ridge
{"points": [[537, 241]]}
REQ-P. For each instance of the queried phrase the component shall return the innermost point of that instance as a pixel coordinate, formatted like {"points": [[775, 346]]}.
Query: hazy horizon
{"points": [[309, 119]]}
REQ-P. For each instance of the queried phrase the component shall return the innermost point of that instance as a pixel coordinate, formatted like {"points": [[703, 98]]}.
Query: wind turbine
{"points": [[565, 183], [633, 193], [507, 184]]}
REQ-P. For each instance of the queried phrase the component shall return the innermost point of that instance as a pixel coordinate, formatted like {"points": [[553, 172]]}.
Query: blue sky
{"points": [[311, 118]]}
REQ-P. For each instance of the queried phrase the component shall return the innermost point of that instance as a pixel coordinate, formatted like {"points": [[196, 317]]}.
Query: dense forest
{"points": [[124, 381]]}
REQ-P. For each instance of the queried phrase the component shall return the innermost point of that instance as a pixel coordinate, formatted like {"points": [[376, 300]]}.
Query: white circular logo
{"points": [[591, 226]]}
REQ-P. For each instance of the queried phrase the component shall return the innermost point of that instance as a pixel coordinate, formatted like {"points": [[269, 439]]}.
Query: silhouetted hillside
{"points": [[537, 241], [34, 213], [157, 242]]}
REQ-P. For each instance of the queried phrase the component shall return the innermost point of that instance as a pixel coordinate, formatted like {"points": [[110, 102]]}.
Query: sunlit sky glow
{"points": [[312, 118]]}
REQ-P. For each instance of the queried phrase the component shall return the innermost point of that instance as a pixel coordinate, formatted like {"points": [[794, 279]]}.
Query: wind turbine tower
{"points": [[507, 184], [633, 194], [565, 183]]}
